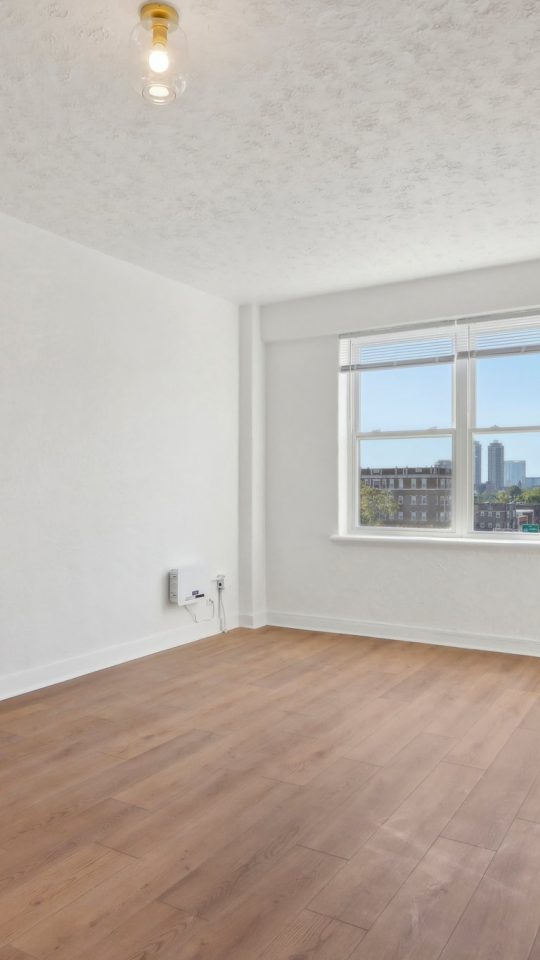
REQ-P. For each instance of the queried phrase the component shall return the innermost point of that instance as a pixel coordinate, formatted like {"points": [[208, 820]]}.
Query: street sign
{"points": [[531, 528]]}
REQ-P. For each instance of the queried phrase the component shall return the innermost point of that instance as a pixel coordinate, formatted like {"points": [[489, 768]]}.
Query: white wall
{"points": [[494, 289], [119, 438], [477, 595]]}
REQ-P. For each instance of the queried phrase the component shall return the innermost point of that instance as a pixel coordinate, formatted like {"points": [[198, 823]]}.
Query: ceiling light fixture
{"points": [[159, 53]]}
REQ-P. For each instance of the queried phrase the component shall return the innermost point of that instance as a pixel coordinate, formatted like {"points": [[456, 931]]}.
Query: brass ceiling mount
{"points": [[150, 12]]}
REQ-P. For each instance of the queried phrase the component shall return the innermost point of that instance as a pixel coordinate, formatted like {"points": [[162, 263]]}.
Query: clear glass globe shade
{"points": [[159, 66]]}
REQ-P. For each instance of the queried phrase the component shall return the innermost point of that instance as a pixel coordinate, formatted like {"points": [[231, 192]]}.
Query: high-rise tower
{"points": [[477, 464], [514, 472], [496, 465]]}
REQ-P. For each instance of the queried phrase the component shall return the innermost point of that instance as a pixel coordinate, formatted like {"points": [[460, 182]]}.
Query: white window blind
{"points": [[439, 344], [385, 351], [499, 338]]}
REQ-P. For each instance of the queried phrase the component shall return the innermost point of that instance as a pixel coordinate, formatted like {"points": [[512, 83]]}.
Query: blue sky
{"points": [[418, 398]]}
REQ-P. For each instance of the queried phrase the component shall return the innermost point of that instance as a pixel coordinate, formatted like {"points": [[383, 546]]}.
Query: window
{"points": [[505, 424], [454, 409]]}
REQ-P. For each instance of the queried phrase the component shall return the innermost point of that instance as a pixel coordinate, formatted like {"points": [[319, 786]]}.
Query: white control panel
{"points": [[188, 584]]}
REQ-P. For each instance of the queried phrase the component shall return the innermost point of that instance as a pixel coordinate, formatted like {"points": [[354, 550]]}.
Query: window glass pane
{"points": [[508, 391], [406, 483], [406, 398], [506, 482]]}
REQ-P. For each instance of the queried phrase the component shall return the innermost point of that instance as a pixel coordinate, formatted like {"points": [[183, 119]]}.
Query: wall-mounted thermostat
{"points": [[188, 584]]}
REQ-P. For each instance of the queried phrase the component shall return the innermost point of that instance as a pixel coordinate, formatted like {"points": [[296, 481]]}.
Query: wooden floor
{"points": [[276, 794]]}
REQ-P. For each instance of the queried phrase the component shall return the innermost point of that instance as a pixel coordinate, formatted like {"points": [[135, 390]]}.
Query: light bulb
{"points": [[158, 61]]}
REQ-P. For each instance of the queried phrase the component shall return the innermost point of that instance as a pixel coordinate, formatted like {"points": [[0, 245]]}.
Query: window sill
{"points": [[359, 538]]}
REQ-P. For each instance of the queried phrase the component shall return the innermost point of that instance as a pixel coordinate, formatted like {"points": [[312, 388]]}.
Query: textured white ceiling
{"points": [[322, 144]]}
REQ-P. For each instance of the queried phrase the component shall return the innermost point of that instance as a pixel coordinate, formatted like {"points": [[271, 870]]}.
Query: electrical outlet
{"points": [[220, 581]]}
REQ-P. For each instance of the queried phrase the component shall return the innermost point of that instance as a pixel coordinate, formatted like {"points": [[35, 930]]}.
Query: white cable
{"points": [[194, 616], [221, 612]]}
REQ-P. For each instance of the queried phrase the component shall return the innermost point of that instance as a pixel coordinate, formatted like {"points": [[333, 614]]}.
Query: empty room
{"points": [[270, 480]]}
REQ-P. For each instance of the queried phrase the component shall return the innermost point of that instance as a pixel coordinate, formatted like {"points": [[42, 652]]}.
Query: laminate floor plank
{"points": [[300, 762], [95, 915], [458, 708], [77, 725], [196, 833], [122, 774], [11, 953], [24, 856], [483, 741], [503, 916], [332, 692], [52, 887], [530, 808], [281, 894], [402, 724], [354, 821], [531, 720], [273, 902], [313, 937], [221, 881], [43, 781], [533, 955], [137, 738], [151, 932], [490, 808], [420, 919], [165, 782], [88, 826], [59, 814], [363, 888]]}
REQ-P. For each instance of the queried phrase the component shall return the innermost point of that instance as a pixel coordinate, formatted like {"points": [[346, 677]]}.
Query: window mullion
{"points": [[406, 434], [462, 455], [490, 431], [354, 492]]}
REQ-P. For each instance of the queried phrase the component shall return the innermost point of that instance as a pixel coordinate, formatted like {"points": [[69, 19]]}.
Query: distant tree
{"points": [[502, 496], [487, 497], [376, 506], [514, 492], [530, 496]]}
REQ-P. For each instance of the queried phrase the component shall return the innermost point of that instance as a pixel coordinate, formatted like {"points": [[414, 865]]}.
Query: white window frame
{"points": [[462, 433]]}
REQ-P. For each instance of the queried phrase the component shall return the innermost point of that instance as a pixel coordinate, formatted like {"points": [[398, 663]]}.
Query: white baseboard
{"points": [[13, 684], [36, 678], [254, 621], [395, 631]]}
